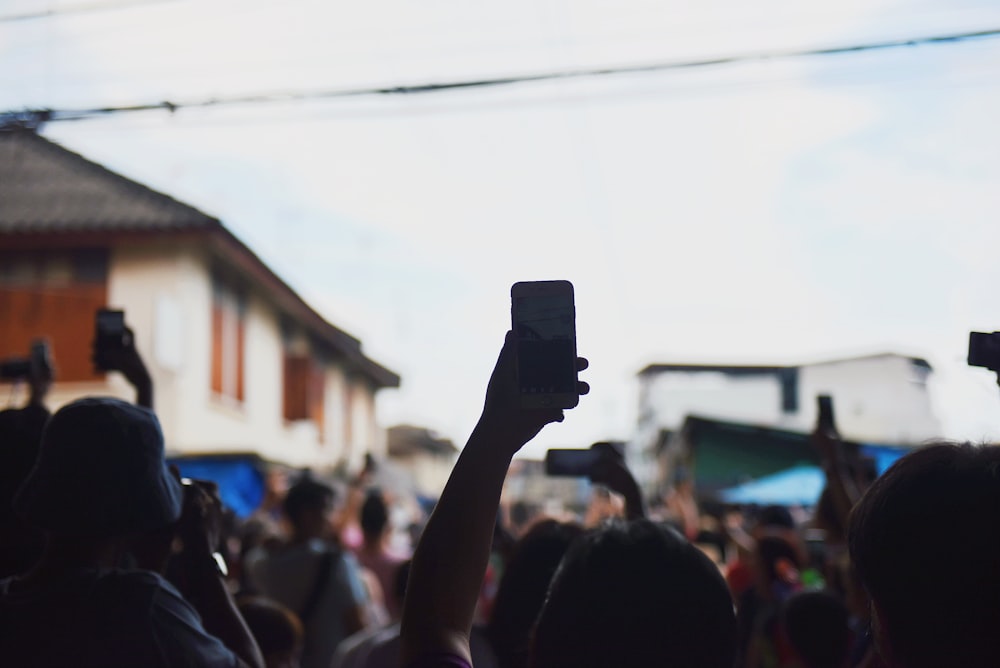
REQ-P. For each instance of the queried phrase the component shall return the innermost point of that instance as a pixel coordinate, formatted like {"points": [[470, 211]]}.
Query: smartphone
{"points": [[570, 462], [543, 318], [825, 421], [984, 350], [109, 334]]}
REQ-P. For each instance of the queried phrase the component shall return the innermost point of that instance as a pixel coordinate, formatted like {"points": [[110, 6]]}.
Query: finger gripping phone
{"points": [[543, 318]]}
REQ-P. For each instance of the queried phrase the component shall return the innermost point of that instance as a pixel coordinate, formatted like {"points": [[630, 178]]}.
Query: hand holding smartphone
{"points": [[543, 319]]}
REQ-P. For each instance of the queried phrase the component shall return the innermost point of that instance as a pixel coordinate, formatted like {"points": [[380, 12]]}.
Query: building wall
{"points": [[880, 398], [429, 471], [166, 292], [667, 398], [671, 396], [335, 410]]}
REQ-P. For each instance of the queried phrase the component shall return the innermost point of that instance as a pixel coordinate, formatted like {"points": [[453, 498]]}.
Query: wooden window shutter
{"points": [[317, 396], [240, 342], [348, 390], [217, 315], [296, 394], [62, 315], [53, 295]]}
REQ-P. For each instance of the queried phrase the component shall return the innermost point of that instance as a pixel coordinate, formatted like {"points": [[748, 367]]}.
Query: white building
{"points": [[240, 362], [877, 398], [426, 457]]}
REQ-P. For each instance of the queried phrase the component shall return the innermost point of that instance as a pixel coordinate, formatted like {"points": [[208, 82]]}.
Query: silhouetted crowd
{"points": [[109, 557]]}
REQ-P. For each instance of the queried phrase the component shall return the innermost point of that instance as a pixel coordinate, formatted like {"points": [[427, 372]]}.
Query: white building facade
{"points": [[240, 363], [877, 398]]}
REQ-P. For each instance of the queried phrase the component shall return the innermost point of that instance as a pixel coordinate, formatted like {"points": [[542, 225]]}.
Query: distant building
{"points": [[240, 362], [427, 457], [528, 483], [877, 398]]}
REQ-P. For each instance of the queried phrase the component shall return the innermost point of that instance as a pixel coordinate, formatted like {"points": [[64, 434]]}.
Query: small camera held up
{"points": [[37, 363]]}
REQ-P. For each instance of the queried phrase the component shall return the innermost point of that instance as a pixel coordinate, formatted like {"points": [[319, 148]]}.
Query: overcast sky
{"points": [[775, 211]]}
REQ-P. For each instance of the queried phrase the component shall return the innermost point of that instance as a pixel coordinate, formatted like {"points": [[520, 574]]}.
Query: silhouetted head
{"points": [[308, 505], [521, 513], [374, 516], [925, 540], [635, 594], [815, 623], [775, 516], [100, 472], [522, 589]]}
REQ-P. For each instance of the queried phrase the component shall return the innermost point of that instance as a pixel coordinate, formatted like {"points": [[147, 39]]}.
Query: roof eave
{"points": [[231, 251]]}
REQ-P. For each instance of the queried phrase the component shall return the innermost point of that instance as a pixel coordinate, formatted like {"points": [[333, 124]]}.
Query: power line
{"points": [[38, 116], [82, 8]]}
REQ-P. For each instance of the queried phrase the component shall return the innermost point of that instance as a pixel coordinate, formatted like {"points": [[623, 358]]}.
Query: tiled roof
{"points": [[47, 188], [404, 440]]}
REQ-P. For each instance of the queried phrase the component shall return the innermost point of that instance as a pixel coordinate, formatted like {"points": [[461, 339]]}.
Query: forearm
{"points": [[143, 384], [450, 561], [843, 491], [635, 509], [206, 590]]}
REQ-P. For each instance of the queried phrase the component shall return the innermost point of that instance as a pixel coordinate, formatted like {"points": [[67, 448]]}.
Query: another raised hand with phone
{"points": [[114, 349], [840, 483], [611, 471], [603, 464]]}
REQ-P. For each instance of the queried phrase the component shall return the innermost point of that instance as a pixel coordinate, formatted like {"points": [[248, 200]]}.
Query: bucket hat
{"points": [[100, 472]]}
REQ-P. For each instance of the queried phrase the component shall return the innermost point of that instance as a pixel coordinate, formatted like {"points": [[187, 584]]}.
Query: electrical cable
{"points": [[82, 8], [48, 115]]}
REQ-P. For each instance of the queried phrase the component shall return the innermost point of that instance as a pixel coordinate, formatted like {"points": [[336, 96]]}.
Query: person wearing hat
{"points": [[21, 434], [101, 492]]}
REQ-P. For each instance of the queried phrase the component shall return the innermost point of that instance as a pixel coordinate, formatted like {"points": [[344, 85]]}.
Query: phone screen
{"points": [[110, 324], [570, 462], [546, 343], [109, 335]]}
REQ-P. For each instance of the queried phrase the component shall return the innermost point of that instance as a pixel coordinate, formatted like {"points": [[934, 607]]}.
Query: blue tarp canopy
{"points": [[884, 456], [240, 478], [801, 485], [797, 486]]}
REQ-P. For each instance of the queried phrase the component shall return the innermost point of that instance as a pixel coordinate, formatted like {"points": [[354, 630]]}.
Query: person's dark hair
{"points": [[635, 594], [521, 513], [775, 516], [374, 514], [816, 624], [276, 628], [925, 540], [400, 580], [522, 588], [307, 495]]}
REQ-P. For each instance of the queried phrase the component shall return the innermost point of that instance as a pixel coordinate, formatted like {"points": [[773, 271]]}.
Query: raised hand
{"points": [[502, 412]]}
